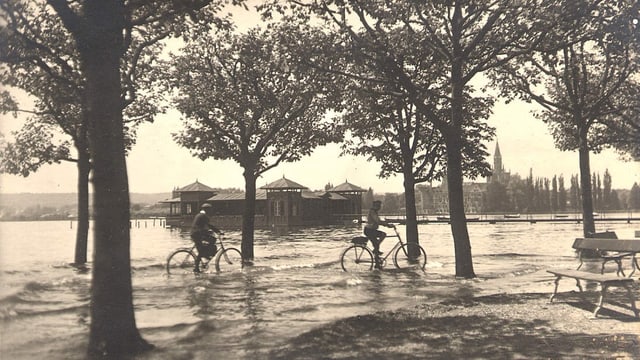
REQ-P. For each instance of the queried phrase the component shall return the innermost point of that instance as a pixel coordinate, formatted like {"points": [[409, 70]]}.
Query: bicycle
{"points": [[226, 259], [359, 257]]}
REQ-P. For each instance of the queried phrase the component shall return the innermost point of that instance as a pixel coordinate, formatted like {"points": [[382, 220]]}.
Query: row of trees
{"points": [[401, 79], [551, 195]]}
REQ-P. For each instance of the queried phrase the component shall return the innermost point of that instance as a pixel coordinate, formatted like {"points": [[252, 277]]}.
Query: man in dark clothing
{"points": [[202, 235]]}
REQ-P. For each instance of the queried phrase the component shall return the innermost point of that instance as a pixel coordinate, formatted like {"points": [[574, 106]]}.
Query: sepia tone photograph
{"points": [[319, 179]]}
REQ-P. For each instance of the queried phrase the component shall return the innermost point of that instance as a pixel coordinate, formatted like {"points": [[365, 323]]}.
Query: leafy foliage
{"points": [[250, 97], [34, 146], [581, 79]]}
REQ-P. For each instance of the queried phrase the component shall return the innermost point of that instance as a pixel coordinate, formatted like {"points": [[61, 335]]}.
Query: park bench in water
{"points": [[607, 249]]}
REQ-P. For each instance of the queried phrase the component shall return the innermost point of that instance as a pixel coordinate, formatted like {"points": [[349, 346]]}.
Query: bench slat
{"points": [[589, 276], [624, 245]]}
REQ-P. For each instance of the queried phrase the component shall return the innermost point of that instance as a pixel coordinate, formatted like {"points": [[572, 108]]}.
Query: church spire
{"points": [[497, 161]]}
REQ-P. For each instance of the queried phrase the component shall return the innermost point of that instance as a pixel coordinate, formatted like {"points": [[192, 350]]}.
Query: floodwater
{"points": [[295, 285]]}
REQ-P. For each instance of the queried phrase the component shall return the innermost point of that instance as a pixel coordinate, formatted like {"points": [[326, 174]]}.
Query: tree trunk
{"points": [[248, 215], [462, 244], [588, 224], [82, 231], [453, 139], [113, 330], [410, 211]]}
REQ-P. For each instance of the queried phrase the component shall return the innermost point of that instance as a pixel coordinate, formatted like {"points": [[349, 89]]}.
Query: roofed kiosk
{"points": [[283, 184], [283, 202]]}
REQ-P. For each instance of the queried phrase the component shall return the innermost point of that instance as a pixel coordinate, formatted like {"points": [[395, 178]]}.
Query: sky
{"points": [[157, 164]]}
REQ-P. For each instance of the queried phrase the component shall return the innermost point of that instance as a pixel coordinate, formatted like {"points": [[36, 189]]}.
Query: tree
{"points": [[42, 59], [562, 194], [576, 194], [389, 128], [625, 125], [251, 98], [367, 199], [102, 31], [575, 77], [634, 197], [497, 199], [554, 194], [469, 37]]}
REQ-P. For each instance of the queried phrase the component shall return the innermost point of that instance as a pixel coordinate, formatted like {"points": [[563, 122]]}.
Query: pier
{"points": [[529, 218]]}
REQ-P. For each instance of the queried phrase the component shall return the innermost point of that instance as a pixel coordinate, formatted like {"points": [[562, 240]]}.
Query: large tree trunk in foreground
{"points": [[98, 30]]}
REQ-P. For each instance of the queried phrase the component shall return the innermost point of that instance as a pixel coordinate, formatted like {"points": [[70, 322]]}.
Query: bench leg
{"points": [[555, 290], [603, 293], [618, 262], [633, 301], [620, 271], [578, 285], [634, 265]]}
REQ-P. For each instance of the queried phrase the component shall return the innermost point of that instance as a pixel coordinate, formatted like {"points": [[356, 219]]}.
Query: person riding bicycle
{"points": [[371, 229], [202, 235]]}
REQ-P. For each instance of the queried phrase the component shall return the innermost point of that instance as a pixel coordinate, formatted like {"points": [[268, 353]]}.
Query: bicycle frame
{"points": [[395, 247], [194, 250]]}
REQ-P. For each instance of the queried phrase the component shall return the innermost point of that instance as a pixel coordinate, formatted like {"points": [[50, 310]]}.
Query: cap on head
{"points": [[205, 206]]}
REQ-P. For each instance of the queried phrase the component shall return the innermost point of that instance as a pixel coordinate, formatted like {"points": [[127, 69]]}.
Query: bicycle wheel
{"points": [[228, 260], [356, 258], [181, 261], [403, 260]]}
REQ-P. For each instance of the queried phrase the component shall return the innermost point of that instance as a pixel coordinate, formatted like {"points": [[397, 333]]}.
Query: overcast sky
{"points": [[158, 164]]}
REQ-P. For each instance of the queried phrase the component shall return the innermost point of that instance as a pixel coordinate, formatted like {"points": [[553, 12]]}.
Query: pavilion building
{"points": [[280, 203]]}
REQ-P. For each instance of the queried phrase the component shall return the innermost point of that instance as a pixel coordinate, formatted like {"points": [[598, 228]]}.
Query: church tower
{"points": [[497, 162], [498, 168]]}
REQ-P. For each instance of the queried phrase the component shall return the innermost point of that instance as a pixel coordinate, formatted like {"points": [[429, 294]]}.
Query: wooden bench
{"points": [[607, 250], [605, 281], [607, 247]]}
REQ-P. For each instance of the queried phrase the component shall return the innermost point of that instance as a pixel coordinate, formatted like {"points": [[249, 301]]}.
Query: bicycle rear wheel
{"points": [[229, 260], [181, 261], [410, 256], [356, 258]]}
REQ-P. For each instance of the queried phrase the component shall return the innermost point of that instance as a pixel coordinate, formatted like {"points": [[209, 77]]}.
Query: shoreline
{"points": [[494, 326]]}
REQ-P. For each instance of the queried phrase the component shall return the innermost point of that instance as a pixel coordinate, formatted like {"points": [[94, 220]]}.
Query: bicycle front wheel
{"points": [[356, 258], [410, 256], [228, 260], [181, 261]]}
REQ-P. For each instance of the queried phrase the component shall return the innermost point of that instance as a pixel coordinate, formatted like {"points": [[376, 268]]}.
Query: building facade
{"points": [[280, 203], [435, 199]]}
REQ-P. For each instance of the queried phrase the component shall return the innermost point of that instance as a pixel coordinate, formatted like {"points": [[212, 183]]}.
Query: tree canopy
{"points": [[253, 99]]}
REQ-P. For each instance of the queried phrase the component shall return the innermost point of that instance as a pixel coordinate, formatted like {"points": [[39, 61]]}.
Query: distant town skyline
{"points": [[157, 164]]}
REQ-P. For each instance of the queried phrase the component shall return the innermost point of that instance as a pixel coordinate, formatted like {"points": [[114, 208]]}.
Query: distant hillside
{"points": [[59, 200]]}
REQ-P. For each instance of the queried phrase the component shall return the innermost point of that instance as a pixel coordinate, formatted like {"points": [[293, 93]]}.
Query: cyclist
{"points": [[371, 229], [202, 235]]}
